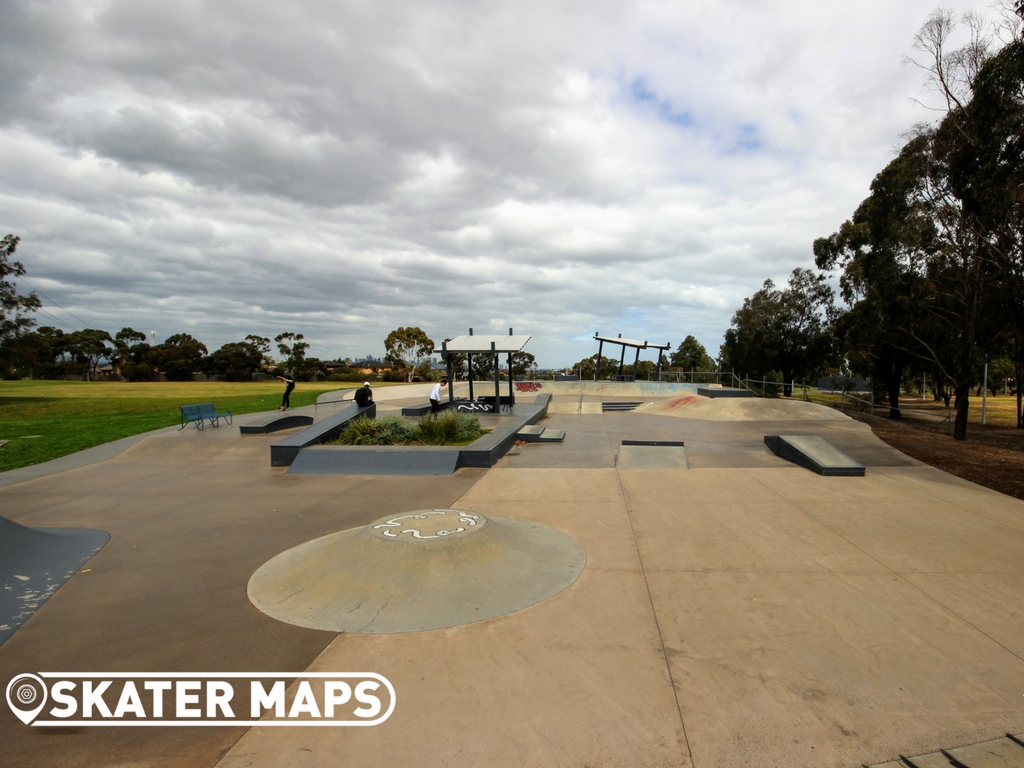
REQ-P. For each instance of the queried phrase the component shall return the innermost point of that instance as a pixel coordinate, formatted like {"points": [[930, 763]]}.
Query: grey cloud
{"points": [[342, 169]]}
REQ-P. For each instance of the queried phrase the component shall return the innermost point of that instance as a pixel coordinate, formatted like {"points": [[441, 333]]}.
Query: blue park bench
{"points": [[200, 412]]}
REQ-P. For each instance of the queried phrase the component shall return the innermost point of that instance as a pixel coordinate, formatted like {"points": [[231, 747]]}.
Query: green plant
{"points": [[387, 430], [449, 427]]}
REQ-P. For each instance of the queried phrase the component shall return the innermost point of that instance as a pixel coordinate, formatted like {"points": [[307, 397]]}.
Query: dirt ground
{"points": [[992, 455]]}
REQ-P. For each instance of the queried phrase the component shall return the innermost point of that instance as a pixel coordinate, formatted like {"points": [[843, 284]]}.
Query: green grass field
{"points": [[44, 420], [1000, 410]]}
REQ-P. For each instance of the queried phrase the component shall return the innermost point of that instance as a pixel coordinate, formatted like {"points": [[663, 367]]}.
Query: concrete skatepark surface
{"points": [[742, 612], [443, 568]]}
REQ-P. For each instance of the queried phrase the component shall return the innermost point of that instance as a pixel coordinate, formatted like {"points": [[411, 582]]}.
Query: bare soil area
{"points": [[992, 455]]}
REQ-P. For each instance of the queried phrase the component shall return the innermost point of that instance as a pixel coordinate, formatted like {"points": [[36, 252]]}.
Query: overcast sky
{"points": [[339, 169]]}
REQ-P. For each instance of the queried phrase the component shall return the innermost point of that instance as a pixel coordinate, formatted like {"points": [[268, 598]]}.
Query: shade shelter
{"points": [[638, 345], [483, 345]]}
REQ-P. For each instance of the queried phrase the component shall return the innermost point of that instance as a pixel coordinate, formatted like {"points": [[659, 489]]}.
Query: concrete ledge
{"points": [[670, 443], [283, 453], [424, 408], [724, 392], [486, 451], [274, 423], [375, 460]]}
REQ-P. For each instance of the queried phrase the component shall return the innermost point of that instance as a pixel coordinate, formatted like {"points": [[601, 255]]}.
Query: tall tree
{"points": [[789, 330], [13, 305], [692, 356], [883, 252], [179, 356], [88, 347], [407, 347]]}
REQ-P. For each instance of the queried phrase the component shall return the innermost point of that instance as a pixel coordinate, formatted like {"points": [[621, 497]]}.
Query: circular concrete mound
{"points": [[427, 569]]}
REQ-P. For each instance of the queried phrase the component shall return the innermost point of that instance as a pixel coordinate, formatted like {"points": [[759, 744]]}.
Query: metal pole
{"points": [[622, 359], [451, 373], [984, 394], [469, 365], [636, 361], [497, 381], [597, 363], [510, 395], [659, 364]]}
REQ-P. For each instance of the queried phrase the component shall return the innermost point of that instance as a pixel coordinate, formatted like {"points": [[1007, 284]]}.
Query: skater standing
{"points": [[289, 381]]}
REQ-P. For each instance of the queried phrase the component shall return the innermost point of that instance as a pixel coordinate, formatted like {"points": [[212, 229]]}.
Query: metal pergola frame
{"points": [[483, 345], [638, 345]]}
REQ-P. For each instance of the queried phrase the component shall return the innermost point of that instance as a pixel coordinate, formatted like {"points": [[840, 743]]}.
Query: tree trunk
{"points": [[894, 396], [1018, 372], [962, 404]]}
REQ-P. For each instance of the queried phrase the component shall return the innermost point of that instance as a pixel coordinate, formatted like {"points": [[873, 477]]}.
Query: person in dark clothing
{"points": [[364, 395], [289, 381]]}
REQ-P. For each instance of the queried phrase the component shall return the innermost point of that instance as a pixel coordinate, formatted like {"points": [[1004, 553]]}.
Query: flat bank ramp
{"points": [[374, 460], [35, 563], [815, 453]]}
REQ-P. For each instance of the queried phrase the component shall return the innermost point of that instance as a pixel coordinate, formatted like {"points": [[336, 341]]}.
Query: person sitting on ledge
{"points": [[364, 395]]}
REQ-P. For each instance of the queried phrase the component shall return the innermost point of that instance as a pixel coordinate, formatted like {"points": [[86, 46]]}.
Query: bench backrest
{"points": [[198, 411]]}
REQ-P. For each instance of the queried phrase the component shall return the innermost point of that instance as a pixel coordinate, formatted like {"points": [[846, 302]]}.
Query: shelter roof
{"points": [[631, 342], [482, 344]]}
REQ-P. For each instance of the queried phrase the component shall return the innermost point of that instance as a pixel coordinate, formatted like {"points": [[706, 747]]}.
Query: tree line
{"points": [[930, 265]]}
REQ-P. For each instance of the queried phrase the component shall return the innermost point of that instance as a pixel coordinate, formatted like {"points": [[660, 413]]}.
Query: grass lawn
{"points": [[44, 420], [1000, 410]]}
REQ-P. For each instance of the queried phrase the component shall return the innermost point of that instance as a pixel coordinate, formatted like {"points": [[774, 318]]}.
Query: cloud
{"points": [[339, 170]]}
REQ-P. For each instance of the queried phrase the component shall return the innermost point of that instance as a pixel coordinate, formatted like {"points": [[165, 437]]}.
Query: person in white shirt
{"points": [[435, 396]]}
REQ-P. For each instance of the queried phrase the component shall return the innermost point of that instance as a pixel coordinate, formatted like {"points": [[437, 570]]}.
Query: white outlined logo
{"points": [[201, 698]]}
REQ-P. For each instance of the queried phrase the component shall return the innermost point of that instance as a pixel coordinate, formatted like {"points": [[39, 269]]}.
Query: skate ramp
{"points": [[816, 453], [741, 409], [35, 563], [426, 569]]}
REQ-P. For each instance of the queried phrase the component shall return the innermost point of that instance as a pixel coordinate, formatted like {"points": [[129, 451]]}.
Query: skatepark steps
{"points": [[283, 453], [35, 563], [274, 423], [814, 453], [538, 434], [620, 406], [723, 392]]}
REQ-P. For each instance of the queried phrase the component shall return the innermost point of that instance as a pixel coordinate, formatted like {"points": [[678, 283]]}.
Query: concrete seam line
{"points": [[654, 614], [894, 572]]}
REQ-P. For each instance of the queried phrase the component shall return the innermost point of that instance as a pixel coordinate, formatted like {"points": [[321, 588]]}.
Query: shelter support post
{"points": [[597, 362], [497, 381], [451, 373], [469, 364], [510, 373]]}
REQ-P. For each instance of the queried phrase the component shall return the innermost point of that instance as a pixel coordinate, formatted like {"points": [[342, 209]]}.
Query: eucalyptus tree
{"points": [[790, 330]]}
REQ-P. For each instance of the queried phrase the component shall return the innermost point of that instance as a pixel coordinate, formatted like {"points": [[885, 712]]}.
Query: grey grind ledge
{"points": [[274, 422], [486, 451], [283, 453]]}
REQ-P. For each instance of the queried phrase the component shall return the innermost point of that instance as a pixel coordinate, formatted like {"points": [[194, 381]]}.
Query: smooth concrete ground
{"points": [[744, 612]]}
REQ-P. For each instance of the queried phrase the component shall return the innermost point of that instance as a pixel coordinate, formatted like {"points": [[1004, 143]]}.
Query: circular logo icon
{"points": [[26, 696], [428, 525]]}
